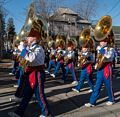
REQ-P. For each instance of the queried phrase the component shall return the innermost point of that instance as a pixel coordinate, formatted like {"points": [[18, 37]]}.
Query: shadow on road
{"points": [[70, 102]]}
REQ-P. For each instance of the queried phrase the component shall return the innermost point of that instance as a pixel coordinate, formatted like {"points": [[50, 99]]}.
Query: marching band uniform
{"points": [[19, 72], [16, 63], [104, 74], [60, 59], [69, 64], [52, 62], [86, 72], [60, 63], [20, 76], [105, 55], [35, 78]]}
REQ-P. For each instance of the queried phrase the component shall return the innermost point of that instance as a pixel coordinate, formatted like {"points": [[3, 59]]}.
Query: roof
{"points": [[59, 16], [65, 10]]}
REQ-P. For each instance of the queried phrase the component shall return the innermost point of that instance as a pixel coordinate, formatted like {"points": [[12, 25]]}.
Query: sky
{"points": [[17, 10]]}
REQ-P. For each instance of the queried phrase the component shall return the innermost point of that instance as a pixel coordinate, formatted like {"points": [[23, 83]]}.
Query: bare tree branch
{"points": [[86, 8], [47, 7]]}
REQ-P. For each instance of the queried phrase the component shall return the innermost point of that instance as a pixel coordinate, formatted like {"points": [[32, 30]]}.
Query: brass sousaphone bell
{"points": [[59, 41], [85, 40], [71, 42], [35, 24], [51, 42], [103, 31]]}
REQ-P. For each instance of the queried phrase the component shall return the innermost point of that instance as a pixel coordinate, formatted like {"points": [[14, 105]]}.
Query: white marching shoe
{"points": [[15, 99], [90, 91], [11, 73], [15, 86], [41, 116], [73, 89], [89, 105], [53, 75], [75, 83], [47, 72], [109, 103]]}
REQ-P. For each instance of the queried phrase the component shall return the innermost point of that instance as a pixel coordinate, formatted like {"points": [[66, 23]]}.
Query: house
{"points": [[116, 30], [67, 22]]}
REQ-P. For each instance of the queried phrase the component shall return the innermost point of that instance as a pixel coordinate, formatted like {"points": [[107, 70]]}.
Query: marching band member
{"points": [[59, 56], [34, 72], [52, 62], [20, 75], [86, 69], [68, 59], [15, 53], [85, 60], [105, 56]]}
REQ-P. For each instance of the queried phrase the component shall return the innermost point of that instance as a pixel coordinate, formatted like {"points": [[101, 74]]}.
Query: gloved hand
{"points": [[102, 51], [23, 53], [21, 46]]}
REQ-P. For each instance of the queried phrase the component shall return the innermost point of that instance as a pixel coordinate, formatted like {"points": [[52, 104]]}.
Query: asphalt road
{"points": [[62, 100]]}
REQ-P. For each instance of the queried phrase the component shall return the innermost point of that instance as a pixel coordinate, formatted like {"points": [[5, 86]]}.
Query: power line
{"points": [[10, 13], [116, 15], [113, 7]]}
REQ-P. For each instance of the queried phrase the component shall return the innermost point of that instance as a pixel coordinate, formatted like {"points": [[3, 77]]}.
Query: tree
{"points": [[10, 31], [86, 8], [47, 7], [2, 30]]}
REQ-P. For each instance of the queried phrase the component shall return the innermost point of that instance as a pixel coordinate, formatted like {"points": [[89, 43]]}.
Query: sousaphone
{"points": [[35, 24], [85, 40], [103, 31]]}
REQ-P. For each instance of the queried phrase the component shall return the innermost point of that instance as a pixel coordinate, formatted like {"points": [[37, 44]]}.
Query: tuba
{"points": [[59, 43], [71, 42], [85, 40], [35, 25], [51, 44], [103, 30]]}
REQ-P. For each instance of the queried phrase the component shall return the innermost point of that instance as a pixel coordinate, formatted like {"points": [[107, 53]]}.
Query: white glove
{"points": [[69, 55], [21, 46]]}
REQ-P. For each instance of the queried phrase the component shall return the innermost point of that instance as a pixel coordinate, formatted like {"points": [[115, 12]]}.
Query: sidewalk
{"points": [[6, 63]]}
